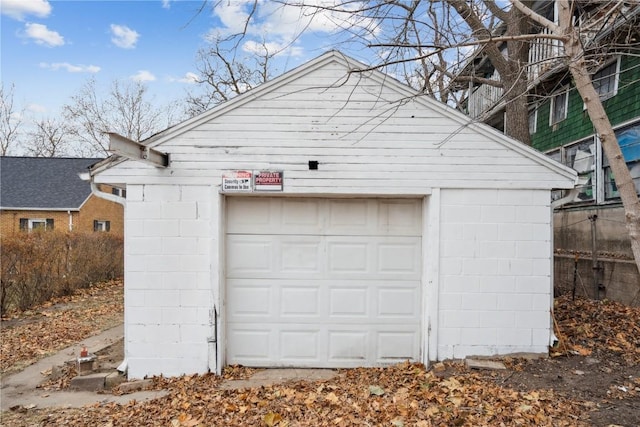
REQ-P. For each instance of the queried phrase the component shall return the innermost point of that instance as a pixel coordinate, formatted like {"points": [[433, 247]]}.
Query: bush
{"points": [[40, 265]]}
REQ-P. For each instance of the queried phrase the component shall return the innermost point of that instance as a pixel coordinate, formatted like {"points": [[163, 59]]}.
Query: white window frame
{"points": [[533, 113], [120, 192], [33, 221], [100, 226], [554, 100], [616, 79]]}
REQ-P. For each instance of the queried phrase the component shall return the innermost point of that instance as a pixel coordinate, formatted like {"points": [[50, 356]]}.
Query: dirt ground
{"points": [[591, 378]]}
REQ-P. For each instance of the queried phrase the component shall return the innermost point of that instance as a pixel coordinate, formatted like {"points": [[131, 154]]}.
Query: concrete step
{"points": [[97, 381], [91, 382]]}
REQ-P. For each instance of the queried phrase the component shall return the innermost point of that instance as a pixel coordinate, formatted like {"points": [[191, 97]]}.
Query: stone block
{"points": [[133, 386], [484, 364], [113, 379], [91, 382]]}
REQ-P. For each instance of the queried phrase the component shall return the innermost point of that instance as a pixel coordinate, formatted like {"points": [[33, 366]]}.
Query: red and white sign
{"points": [[268, 181], [237, 181]]}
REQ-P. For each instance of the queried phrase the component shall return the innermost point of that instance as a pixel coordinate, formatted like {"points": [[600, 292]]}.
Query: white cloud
{"points": [[143, 76], [288, 21], [281, 25], [272, 48], [190, 78], [166, 4], [123, 36], [18, 9], [36, 108], [55, 66], [40, 34]]}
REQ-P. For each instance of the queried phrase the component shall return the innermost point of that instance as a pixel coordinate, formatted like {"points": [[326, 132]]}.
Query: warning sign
{"points": [[237, 181], [268, 181]]}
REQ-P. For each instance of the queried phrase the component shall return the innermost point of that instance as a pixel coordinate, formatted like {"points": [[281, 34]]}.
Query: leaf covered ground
{"points": [[592, 378]]}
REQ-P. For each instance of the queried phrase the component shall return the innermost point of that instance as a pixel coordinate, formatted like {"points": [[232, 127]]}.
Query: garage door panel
{"points": [[398, 302], [395, 346], [400, 217], [297, 345], [349, 217], [326, 283], [370, 257], [300, 301], [250, 300], [251, 345], [299, 215], [349, 302], [348, 346], [250, 255], [300, 254], [348, 256], [250, 214], [399, 257]]}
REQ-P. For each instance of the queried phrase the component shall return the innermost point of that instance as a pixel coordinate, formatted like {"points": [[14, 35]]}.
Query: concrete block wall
{"points": [[168, 291], [618, 278], [495, 272]]}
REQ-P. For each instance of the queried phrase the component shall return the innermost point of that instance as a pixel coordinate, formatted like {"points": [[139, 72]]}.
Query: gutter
{"points": [[86, 176]]}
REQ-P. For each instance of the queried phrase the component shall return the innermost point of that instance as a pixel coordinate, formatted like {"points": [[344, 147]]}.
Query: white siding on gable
{"points": [[495, 272], [365, 136]]}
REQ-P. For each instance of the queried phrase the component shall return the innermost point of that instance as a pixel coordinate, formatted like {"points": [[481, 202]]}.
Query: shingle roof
{"points": [[43, 182]]}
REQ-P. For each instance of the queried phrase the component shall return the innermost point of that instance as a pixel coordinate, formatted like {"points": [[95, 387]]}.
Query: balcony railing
{"points": [[543, 54]]}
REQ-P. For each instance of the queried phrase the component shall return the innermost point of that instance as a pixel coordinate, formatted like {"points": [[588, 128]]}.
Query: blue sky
{"points": [[51, 48]]}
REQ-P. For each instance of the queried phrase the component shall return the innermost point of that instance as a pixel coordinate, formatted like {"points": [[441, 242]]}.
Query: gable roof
{"points": [[44, 183], [351, 67]]}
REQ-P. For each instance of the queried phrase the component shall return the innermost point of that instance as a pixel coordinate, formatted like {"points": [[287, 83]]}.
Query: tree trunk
{"points": [[515, 78], [597, 114]]}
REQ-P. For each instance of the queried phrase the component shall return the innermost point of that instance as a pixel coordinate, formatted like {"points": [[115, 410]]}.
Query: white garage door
{"points": [[323, 283]]}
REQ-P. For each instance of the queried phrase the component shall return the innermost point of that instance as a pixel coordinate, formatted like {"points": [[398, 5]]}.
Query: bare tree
{"points": [[124, 110], [224, 73], [425, 42], [576, 59], [49, 138], [10, 120]]}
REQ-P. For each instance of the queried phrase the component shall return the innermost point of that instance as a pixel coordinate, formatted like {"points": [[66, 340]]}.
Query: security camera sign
{"points": [[237, 182]]}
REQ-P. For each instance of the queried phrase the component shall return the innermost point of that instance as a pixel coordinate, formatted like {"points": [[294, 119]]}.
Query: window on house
{"points": [[629, 141], [533, 120], [605, 81], [101, 225], [119, 191], [559, 104], [582, 157], [31, 224], [557, 156]]}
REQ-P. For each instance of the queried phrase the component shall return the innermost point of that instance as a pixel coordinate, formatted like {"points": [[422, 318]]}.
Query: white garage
{"points": [[323, 282], [332, 217]]}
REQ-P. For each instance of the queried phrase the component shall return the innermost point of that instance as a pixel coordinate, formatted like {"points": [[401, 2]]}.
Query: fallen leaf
{"points": [[376, 390], [331, 397], [271, 419]]}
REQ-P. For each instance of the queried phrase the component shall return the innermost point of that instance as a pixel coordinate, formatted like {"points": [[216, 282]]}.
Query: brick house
{"points": [[47, 193]]}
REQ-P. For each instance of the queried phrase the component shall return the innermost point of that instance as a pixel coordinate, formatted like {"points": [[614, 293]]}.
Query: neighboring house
{"points": [[47, 193], [333, 218], [593, 219]]}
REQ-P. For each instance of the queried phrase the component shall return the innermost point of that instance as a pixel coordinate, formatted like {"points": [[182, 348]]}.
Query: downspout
{"points": [[70, 220], [86, 176], [571, 196]]}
